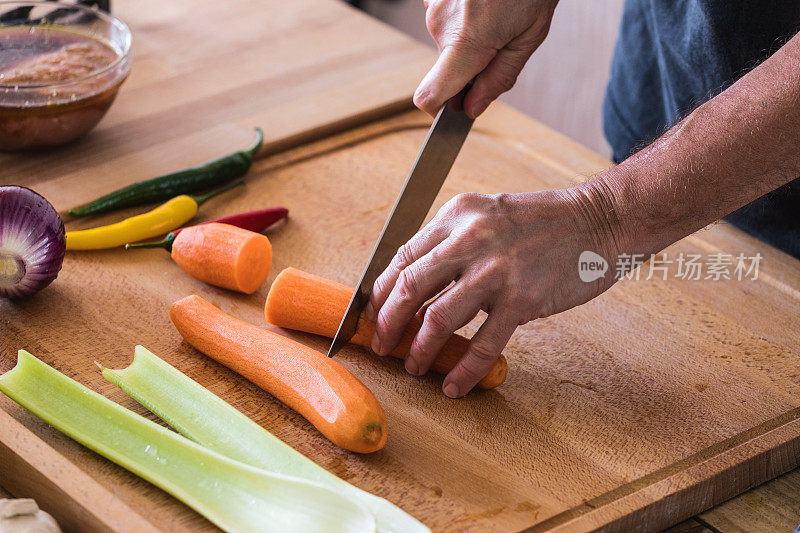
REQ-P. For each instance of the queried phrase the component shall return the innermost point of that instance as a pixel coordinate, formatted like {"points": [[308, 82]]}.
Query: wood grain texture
{"points": [[205, 72], [650, 404], [774, 506], [654, 402], [688, 526]]}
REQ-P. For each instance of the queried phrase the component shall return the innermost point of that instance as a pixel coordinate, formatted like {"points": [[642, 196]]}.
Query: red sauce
{"points": [[53, 86]]}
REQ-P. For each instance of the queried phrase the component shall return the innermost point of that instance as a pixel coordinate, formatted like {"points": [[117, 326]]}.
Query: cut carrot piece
{"points": [[317, 387], [224, 255], [305, 302]]}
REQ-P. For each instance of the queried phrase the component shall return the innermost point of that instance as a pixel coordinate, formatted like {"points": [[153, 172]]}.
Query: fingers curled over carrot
{"points": [[305, 302]]}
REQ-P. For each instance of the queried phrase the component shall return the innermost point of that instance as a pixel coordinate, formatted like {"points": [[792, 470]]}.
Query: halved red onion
{"points": [[32, 242]]}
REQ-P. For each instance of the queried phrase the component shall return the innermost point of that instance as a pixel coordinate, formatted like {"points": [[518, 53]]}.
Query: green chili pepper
{"points": [[212, 174]]}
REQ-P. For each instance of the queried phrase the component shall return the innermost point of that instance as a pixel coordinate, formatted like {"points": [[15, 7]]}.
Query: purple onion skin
{"points": [[32, 235]]}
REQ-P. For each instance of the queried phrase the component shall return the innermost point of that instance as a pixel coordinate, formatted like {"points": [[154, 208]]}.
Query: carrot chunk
{"points": [[224, 255], [305, 302]]}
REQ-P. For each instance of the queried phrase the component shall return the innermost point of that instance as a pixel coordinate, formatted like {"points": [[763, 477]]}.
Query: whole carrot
{"points": [[317, 387], [220, 254]]}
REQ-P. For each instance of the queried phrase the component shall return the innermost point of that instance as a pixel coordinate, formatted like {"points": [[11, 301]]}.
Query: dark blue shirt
{"points": [[673, 55]]}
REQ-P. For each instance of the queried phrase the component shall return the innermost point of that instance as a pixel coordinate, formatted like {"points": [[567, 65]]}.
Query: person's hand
{"points": [[489, 41], [514, 256]]}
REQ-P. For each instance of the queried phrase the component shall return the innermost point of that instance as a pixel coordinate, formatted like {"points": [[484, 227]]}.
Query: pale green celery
{"points": [[208, 420], [233, 495]]}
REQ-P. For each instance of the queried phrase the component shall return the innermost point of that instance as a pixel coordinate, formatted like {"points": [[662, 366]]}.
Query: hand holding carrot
{"points": [[305, 302], [514, 256]]}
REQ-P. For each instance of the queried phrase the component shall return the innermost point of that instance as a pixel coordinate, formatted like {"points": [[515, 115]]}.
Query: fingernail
{"points": [[369, 312], [412, 367], [376, 344], [451, 390]]}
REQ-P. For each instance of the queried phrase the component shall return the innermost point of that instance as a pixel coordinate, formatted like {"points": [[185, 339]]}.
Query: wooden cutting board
{"points": [[653, 402]]}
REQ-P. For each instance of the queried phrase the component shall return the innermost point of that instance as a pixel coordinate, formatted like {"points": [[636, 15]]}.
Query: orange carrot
{"points": [[220, 254], [317, 387], [305, 302]]}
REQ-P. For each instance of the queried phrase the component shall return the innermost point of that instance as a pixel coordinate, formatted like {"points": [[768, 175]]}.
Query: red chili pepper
{"points": [[256, 221]]}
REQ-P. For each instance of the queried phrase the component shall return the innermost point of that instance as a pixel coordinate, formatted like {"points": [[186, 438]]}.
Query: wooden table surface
{"points": [[205, 73], [773, 506], [659, 398]]}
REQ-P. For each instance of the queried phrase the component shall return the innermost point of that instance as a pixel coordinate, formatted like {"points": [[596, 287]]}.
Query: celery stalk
{"points": [[208, 420], [233, 495]]}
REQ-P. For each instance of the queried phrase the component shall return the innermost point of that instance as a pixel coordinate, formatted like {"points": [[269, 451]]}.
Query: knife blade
{"points": [[434, 161]]}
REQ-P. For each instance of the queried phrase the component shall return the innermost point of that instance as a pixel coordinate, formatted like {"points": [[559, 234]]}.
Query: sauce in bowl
{"points": [[40, 54], [55, 84]]}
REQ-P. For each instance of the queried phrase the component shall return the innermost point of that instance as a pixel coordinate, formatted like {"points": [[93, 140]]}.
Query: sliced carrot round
{"points": [[224, 255]]}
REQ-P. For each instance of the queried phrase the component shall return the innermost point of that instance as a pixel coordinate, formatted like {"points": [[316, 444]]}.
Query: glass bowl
{"points": [[61, 65]]}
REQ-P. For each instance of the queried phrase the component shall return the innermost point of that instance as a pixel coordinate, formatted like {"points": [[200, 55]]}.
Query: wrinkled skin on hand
{"points": [[488, 40], [514, 256]]}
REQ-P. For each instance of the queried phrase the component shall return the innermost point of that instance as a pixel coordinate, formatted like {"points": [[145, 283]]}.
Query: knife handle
{"points": [[456, 103]]}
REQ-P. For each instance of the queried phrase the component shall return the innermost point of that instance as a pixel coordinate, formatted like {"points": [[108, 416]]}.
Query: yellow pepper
{"points": [[164, 218]]}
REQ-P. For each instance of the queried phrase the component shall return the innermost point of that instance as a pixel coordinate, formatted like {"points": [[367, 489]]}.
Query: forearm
{"points": [[733, 149]]}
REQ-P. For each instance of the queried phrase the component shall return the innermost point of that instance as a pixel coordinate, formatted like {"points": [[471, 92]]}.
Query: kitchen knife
{"points": [[445, 138]]}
